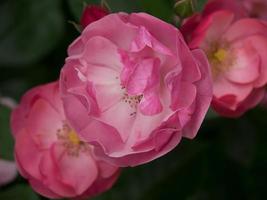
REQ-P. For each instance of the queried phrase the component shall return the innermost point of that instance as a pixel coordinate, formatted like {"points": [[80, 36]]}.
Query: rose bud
{"points": [[92, 13], [132, 88], [236, 48], [49, 153]]}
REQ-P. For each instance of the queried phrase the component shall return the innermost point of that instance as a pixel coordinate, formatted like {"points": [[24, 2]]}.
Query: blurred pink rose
{"points": [[132, 88], [57, 163], [249, 8], [92, 13], [191, 23], [237, 52], [8, 171]]}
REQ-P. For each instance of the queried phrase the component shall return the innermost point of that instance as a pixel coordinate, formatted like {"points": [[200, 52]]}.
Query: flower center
{"points": [[220, 55], [73, 138], [221, 59], [133, 101], [71, 141]]}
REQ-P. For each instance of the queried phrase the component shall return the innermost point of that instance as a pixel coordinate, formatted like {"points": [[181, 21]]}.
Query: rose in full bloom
{"points": [[8, 171], [237, 50], [92, 13], [49, 153], [132, 88]]}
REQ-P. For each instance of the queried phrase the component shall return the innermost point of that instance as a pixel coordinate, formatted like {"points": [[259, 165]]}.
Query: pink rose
{"points": [[92, 13], [132, 88], [237, 53], [57, 163], [212, 6], [8, 171]]}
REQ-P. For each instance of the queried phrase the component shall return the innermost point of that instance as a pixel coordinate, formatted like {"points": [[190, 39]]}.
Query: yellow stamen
{"points": [[220, 55], [73, 137]]}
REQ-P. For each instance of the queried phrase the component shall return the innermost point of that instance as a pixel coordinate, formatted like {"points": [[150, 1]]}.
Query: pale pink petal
{"points": [[144, 38], [239, 30], [222, 87], [198, 110], [137, 158], [107, 136], [112, 23], [49, 93], [183, 95], [150, 103], [77, 171], [126, 114], [76, 47], [145, 77], [160, 30], [220, 105], [8, 171], [106, 170], [43, 123], [51, 176], [246, 66], [101, 52], [260, 45], [29, 157]]}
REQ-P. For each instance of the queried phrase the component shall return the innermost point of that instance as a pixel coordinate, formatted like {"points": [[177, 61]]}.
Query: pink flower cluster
{"points": [[129, 91], [236, 46]]}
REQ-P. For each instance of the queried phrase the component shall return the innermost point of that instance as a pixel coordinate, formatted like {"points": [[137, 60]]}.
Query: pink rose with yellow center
{"points": [[236, 49], [49, 153]]}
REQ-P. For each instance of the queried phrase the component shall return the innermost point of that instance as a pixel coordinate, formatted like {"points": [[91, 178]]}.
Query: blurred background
{"points": [[227, 160]]}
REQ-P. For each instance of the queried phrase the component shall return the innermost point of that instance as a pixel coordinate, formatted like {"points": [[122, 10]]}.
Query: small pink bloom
{"points": [[49, 153], [8, 171], [237, 50], [132, 88], [92, 13]]}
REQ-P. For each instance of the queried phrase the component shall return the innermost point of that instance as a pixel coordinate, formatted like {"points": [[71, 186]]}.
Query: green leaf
{"points": [[184, 8], [18, 192], [162, 9], [6, 140], [29, 30], [200, 4]]}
